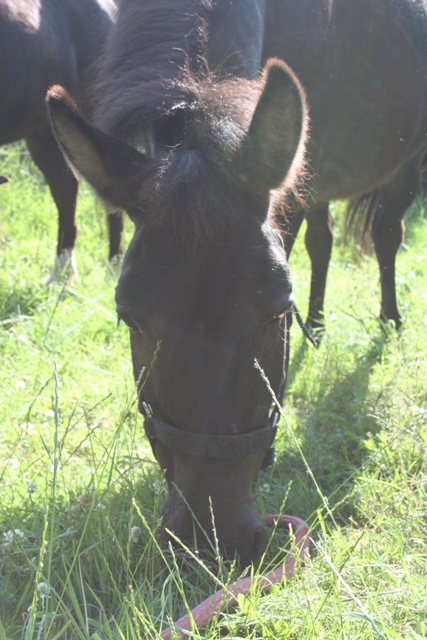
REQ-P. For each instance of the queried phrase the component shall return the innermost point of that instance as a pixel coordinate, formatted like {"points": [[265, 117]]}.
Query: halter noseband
{"points": [[208, 446]]}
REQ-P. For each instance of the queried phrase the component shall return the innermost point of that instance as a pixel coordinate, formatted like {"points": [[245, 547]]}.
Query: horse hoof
{"points": [[317, 328], [114, 267], [64, 266], [390, 326]]}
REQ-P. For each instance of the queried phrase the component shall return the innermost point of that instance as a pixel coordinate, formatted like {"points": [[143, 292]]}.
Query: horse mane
{"points": [[198, 172], [154, 53]]}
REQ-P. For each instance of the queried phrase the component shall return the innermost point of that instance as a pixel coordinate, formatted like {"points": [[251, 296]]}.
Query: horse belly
{"points": [[355, 150]]}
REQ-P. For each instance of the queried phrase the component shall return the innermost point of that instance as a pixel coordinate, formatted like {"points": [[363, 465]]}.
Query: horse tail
{"points": [[358, 219]]}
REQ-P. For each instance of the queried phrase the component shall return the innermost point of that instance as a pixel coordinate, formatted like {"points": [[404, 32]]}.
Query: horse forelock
{"points": [[193, 192], [154, 80]]}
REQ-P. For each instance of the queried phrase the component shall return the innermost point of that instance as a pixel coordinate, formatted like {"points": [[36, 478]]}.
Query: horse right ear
{"points": [[112, 167], [272, 151]]}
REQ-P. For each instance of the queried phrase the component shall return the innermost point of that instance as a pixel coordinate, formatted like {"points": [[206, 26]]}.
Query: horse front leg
{"points": [[64, 188], [318, 242], [115, 233]]}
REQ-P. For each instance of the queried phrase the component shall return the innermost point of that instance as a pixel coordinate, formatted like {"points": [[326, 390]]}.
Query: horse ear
{"points": [[112, 167], [272, 152], [3, 179]]}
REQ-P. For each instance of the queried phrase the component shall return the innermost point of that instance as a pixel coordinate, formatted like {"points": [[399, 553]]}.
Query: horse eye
{"points": [[126, 318]]}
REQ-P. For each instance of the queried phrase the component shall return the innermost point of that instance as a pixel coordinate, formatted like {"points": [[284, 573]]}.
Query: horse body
{"points": [[46, 42], [205, 287]]}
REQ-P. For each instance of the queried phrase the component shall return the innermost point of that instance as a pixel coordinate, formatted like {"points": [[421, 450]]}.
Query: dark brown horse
{"points": [[205, 288], [43, 42], [363, 64]]}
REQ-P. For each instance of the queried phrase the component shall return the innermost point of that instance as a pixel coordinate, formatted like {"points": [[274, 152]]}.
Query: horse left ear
{"points": [[272, 152], [112, 167]]}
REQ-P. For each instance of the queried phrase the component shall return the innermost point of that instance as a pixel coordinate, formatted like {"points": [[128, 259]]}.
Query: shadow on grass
{"points": [[333, 424]]}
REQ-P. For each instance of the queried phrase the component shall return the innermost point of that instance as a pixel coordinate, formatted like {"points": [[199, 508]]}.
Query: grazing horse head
{"points": [[205, 288]]}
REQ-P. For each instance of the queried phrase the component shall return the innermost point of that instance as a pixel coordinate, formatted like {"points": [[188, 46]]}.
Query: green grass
{"points": [[77, 475]]}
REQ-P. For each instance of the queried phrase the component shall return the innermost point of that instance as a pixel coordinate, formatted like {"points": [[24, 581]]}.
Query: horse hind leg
{"points": [[64, 188], [387, 233]]}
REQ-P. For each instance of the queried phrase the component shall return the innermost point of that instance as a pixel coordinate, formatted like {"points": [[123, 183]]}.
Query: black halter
{"points": [[222, 446], [208, 446]]}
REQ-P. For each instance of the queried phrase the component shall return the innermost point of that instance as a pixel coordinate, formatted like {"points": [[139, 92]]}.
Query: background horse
{"points": [[205, 288], [363, 64], [43, 42]]}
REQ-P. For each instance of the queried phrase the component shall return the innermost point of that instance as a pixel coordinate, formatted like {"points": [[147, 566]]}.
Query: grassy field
{"points": [[80, 492]]}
